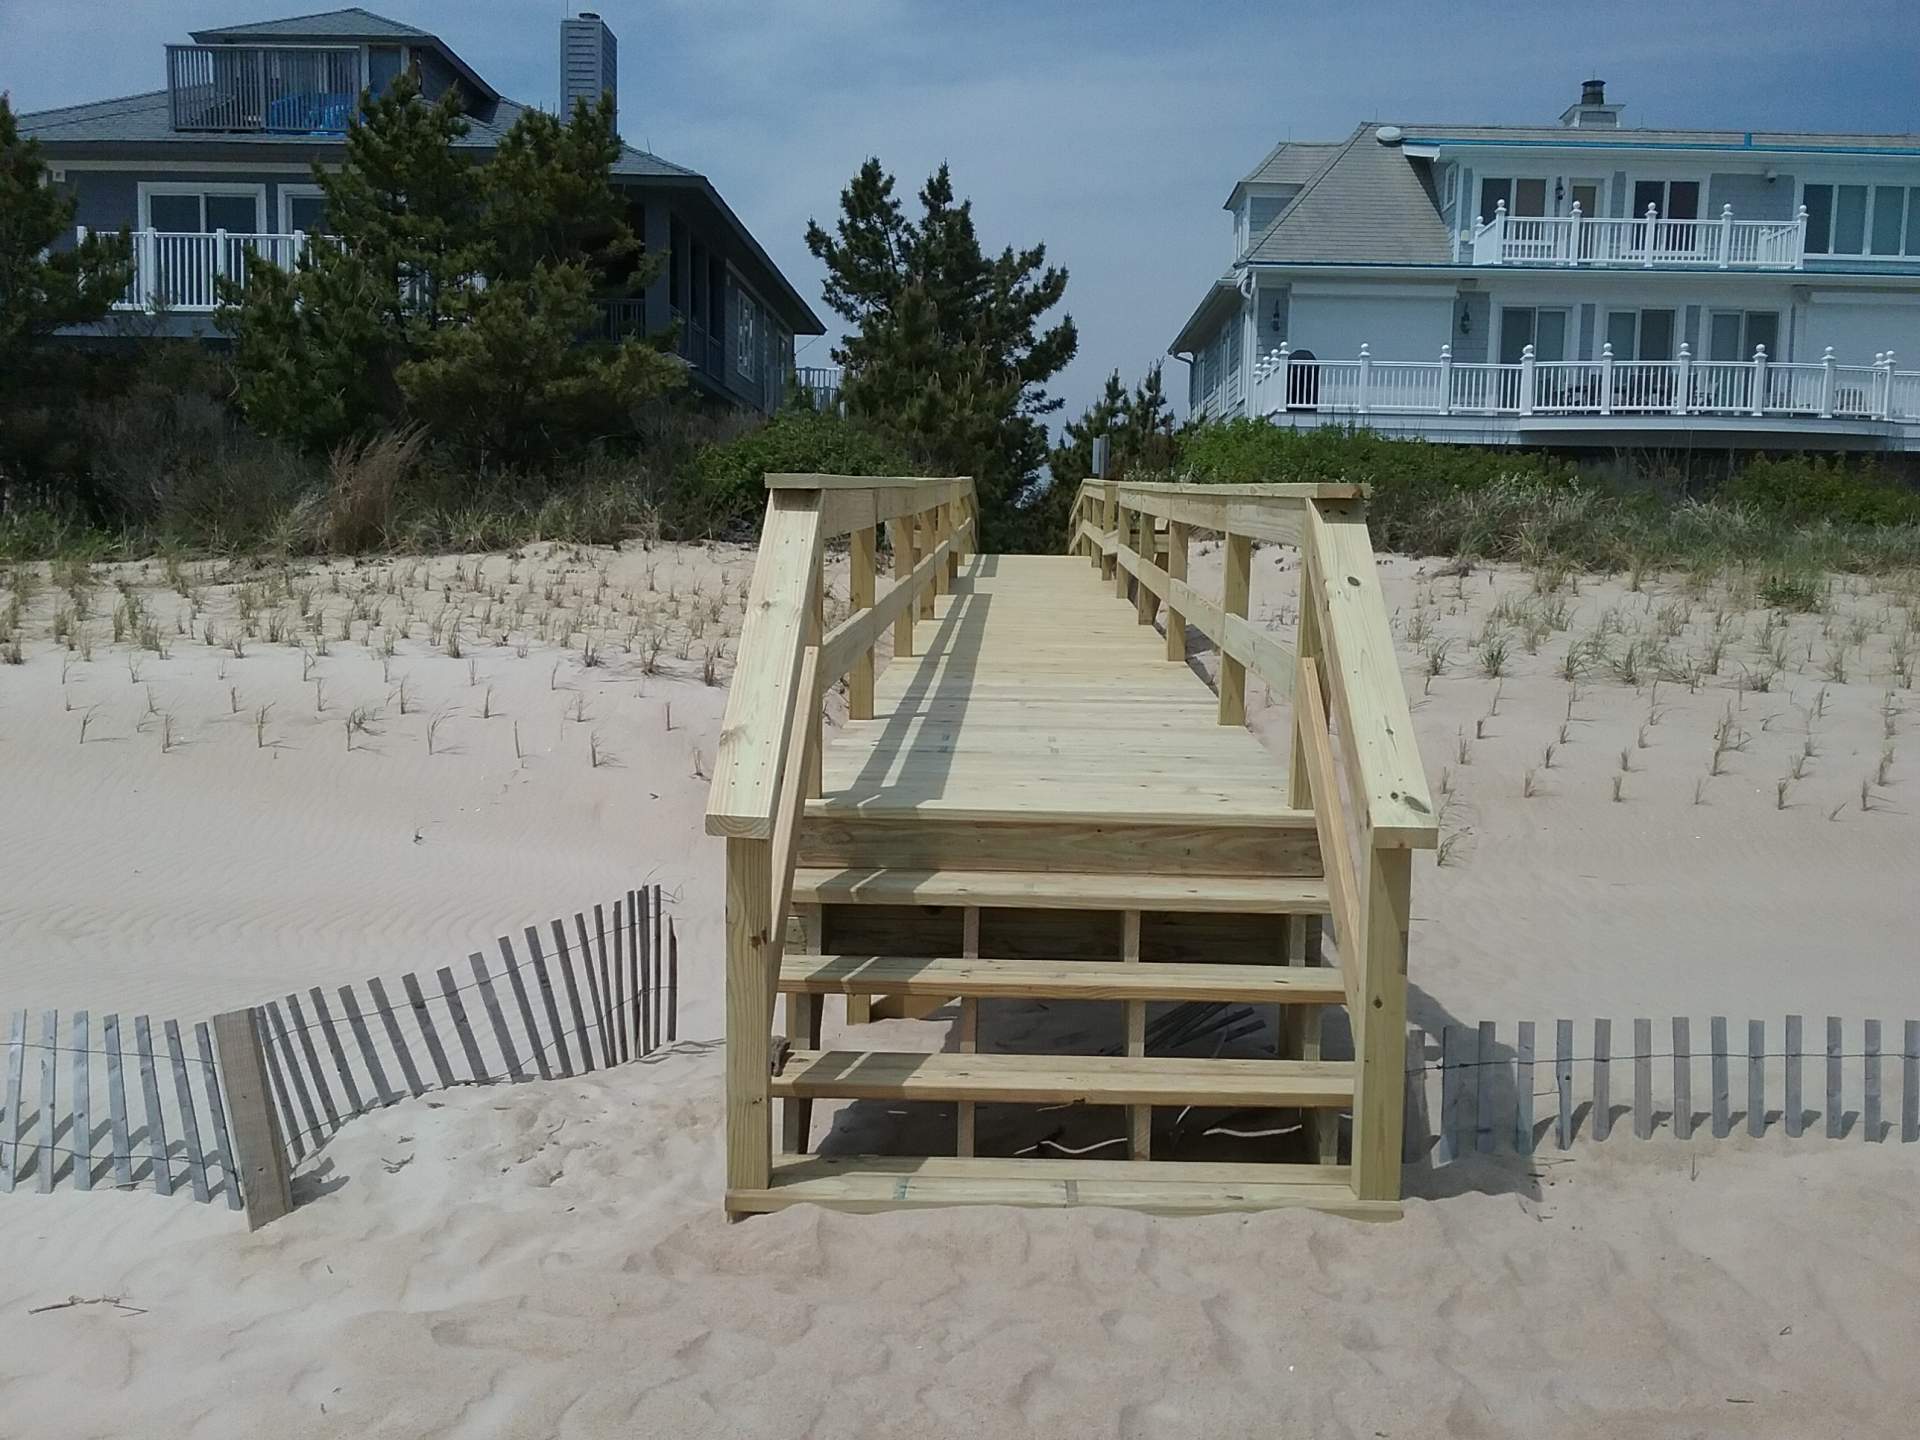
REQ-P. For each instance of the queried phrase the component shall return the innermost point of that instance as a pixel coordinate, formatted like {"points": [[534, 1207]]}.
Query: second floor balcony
{"points": [[281, 89], [1650, 241]]}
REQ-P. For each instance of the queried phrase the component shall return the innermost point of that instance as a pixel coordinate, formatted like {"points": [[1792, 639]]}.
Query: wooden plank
{"points": [[1563, 1078], [673, 984], [1237, 562], [753, 732], [1238, 638], [659, 957], [749, 996], [1756, 1077], [297, 1023], [1910, 1083], [786, 827], [543, 977], [1447, 1148], [1273, 519], [1178, 536], [423, 1016], [925, 541], [1416, 1142], [1722, 1117], [490, 1001], [1836, 1109], [259, 1150], [217, 1113], [161, 1162], [1643, 1079], [860, 591], [643, 948], [1682, 1080], [1127, 980], [842, 512], [900, 537], [1368, 693], [1483, 1087], [1870, 1095], [82, 1131], [390, 1019], [293, 1129], [1380, 1022], [518, 984], [859, 632], [476, 1064], [1523, 1089], [617, 993], [595, 992], [16, 1099], [369, 1053], [1796, 1110], [189, 1118], [1021, 890], [49, 1084], [1329, 809], [804, 1015], [323, 1016], [1045, 1079]]}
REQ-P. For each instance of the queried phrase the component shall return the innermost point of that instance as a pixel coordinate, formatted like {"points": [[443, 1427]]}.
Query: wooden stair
{"points": [[988, 979], [1063, 890], [1062, 1079], [868, 1184]]}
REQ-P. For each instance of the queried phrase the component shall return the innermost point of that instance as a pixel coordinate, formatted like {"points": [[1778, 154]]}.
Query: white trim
{"points": [[290, 192], [147, 189], [176, 167]]}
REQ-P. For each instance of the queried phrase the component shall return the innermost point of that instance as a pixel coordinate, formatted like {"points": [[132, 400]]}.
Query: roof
{"points": [[1629, 138], [350, 24], [1221, 296], [1292, 162], [1371, 204]]}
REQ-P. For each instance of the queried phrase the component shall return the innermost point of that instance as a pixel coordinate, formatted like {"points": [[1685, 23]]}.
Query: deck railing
{"points": [[1647, 241], [182, 269], [767, 764], [1758, 387], [286, 89], [1369, 791]]}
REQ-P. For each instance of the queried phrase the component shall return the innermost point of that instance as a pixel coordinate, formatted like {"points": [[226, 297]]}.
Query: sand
{"points": [[549, 1259]]}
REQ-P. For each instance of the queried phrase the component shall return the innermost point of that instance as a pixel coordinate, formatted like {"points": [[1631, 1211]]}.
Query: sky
{"points": [[1110, 130]]}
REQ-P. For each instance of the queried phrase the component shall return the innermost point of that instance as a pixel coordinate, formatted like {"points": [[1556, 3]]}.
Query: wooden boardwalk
{"points": [[1038, 796]]}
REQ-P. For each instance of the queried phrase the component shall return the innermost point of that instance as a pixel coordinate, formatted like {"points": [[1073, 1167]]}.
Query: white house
{"points": [[1578, 284]]}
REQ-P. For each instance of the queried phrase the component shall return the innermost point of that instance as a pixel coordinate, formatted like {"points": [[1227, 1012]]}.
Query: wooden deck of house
{"points": [[1038, 797]]}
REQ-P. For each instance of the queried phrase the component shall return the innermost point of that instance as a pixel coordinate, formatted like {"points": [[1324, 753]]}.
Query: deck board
{"points": [[1037, 692]]}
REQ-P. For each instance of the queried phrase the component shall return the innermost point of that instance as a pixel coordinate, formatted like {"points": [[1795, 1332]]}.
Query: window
{"points": [[1524, 325], [383, 67], [746, 339], [676, 248], [1671, 199], [1641, 334], [303, 208], [1862, 219], [1521, 197], [1734, 334], [202, 209]]}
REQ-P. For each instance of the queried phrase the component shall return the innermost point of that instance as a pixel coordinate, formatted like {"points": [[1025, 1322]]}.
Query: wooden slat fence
{"points": [[1518, 1087], [556, 1004]]}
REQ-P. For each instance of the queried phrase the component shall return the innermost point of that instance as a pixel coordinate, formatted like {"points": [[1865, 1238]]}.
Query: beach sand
{"points": [[550, 1259]]}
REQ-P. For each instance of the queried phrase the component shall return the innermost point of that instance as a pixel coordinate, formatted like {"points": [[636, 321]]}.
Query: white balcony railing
{"points": [[180, 270], [1646, 241], [1760, 387]]}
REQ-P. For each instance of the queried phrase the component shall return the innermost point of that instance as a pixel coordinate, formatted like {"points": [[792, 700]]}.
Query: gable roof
{"points": [[1293, 162], [349, 24], [1370, 204]]}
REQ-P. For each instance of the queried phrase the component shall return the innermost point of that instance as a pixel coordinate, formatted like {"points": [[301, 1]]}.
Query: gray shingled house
{"points": [[216, 168], [1579, 284]]}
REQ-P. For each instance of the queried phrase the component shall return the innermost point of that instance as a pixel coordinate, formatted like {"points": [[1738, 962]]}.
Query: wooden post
{"points": [[969, 1027], [924, 526], [1109, 524], [1122, 536], [860, 589], [749, 1001], [812, 714], [803, 1033], [1380, 1028], [1306, 647], [1233, 675], [1145, 603], [1177, 568], [1139, 1117], [943, 532], [260, 1155], [900, 532]]}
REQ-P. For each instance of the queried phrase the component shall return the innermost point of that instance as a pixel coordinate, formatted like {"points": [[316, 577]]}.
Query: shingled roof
{"points": [[349, 24], [1370, 204]]}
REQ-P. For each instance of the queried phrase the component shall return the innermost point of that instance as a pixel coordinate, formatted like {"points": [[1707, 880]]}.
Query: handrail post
{"points": [[1883, 408], [900, 535], [1120, 527], [942, 531], [1145, 603], [1606, 377], [1366, 377], [1109, 525], [1306, 646], [1800, 240], [1826, 384], [1759, 396], [1527, 372], [1446, 378], [1238, 558], [860, 594], [1651, 223], [924, 525], [1726, 236], [1573, 236], [749, 1000], [1683, 380], [1177, 569], [816, 632], [1380, 1046]]}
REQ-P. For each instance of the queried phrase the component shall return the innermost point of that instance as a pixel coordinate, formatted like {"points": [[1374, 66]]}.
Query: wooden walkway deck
{"points": [[1038, 796]]}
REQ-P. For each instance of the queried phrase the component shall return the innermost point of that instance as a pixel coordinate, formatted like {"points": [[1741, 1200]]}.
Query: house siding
{"points": [[1471, 347], [1753, 197], [110, 199]]}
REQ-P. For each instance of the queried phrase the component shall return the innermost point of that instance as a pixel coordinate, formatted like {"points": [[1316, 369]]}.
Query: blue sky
{"points": [[1111, 130]]}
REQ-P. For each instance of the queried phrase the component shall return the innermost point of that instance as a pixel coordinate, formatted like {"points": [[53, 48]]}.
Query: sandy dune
{"points": [[549, 1259]]}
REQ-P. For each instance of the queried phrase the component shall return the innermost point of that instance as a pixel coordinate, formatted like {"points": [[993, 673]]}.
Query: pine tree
{"points": [[1139, 427], [43, 289], [949, 359]]}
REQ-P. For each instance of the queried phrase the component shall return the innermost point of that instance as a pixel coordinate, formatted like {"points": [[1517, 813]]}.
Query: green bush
{"points": [[1805, 488], [726, 491]]}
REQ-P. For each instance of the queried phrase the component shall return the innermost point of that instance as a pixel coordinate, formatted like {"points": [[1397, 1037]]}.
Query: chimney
{"points": [[589, 63], [1593, 112]]}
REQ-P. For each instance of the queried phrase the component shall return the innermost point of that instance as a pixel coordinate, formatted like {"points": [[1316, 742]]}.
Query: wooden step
{"points": [[1063, 979], [1062, 1079], [868, 1184], [842, 832], [1061, 890]]}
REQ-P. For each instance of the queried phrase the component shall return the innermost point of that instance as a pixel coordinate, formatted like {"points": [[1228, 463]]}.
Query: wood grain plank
{"points": [[189, 1118], [217, 1114]]}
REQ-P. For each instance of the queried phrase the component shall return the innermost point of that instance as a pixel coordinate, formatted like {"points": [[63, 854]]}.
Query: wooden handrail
{"points": [[1330, 818], [856, 502], [857, 634], [1238, 638], [786, 828]]}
